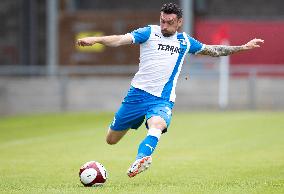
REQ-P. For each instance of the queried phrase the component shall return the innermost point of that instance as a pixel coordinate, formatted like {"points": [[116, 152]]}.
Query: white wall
{"points": [[44, 94]]}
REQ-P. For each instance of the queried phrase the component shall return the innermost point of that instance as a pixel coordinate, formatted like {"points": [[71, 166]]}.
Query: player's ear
{"points": [[180, 21]]}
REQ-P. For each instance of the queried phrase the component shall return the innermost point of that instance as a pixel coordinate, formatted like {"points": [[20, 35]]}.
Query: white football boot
{"points": [[139, 165]]}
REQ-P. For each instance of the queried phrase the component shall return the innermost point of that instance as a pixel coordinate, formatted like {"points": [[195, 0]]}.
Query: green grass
{"points": [[228, 152]]}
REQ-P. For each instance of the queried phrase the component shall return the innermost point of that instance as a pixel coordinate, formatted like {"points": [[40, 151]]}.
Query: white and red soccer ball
{"points": [[93, 174]]}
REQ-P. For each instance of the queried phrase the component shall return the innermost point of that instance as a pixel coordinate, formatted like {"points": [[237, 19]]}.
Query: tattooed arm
{"points": [[223, 50]]}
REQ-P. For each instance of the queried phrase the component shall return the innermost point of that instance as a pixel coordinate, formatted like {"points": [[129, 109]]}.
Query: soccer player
{"points": [[152, 91]]}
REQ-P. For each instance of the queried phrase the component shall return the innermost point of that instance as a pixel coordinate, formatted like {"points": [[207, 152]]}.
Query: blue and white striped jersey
{"points": [[161, 59]]}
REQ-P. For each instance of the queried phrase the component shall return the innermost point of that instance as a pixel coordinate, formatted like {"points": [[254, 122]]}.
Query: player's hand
{"points": [[88, 41], [254, 43]]}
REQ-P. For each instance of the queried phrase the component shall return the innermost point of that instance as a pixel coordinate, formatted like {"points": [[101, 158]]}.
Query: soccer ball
{"points": [[93, 174]]}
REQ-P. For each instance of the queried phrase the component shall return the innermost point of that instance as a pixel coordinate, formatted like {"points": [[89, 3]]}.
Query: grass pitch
{"points": [[229, 152]]}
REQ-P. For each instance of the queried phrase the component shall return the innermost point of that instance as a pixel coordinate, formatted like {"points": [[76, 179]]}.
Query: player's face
{"points": [[169, 24]]}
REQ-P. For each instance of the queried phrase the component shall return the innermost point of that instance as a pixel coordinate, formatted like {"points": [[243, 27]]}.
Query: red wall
{"points": [[239, 32]]}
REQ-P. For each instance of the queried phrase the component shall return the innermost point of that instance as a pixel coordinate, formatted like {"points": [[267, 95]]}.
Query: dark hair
{"points": [[169, 8]]}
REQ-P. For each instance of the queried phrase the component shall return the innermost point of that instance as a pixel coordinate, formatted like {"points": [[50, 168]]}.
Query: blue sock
{"points": [[148, 145]]}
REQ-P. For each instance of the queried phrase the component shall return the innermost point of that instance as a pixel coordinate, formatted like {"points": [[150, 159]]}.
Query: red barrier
{"points": [[239, 32]]}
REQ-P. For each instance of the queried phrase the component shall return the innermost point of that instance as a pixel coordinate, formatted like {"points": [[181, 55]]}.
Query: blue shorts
{"points": [[137, 105]]}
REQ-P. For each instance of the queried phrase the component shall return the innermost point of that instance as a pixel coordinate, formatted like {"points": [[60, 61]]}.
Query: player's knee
{"points": [[114, 137], [111, 141], [157, 122], [160, 126]]}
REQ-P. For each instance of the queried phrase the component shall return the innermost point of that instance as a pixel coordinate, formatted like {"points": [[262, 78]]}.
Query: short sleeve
{"points": [[141, 35], [195, 45]]}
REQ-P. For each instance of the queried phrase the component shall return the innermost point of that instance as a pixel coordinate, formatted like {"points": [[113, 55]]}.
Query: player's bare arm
{"points": [[223, 50], [112, 41]]}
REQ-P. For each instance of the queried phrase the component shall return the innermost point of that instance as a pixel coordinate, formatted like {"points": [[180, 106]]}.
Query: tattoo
{"points": [[220, 50]]}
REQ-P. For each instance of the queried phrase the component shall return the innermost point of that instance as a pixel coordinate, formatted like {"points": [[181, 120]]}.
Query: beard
{"points": [[166, 33]]}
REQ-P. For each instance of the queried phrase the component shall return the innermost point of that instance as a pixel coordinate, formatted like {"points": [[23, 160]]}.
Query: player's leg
{"points": [[129, 116], [158, 119], [143, 161], [121, 125], [156, 124], [113, 136]]}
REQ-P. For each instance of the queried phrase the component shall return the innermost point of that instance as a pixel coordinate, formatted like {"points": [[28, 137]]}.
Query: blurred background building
{"points": [[41, 69]]}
